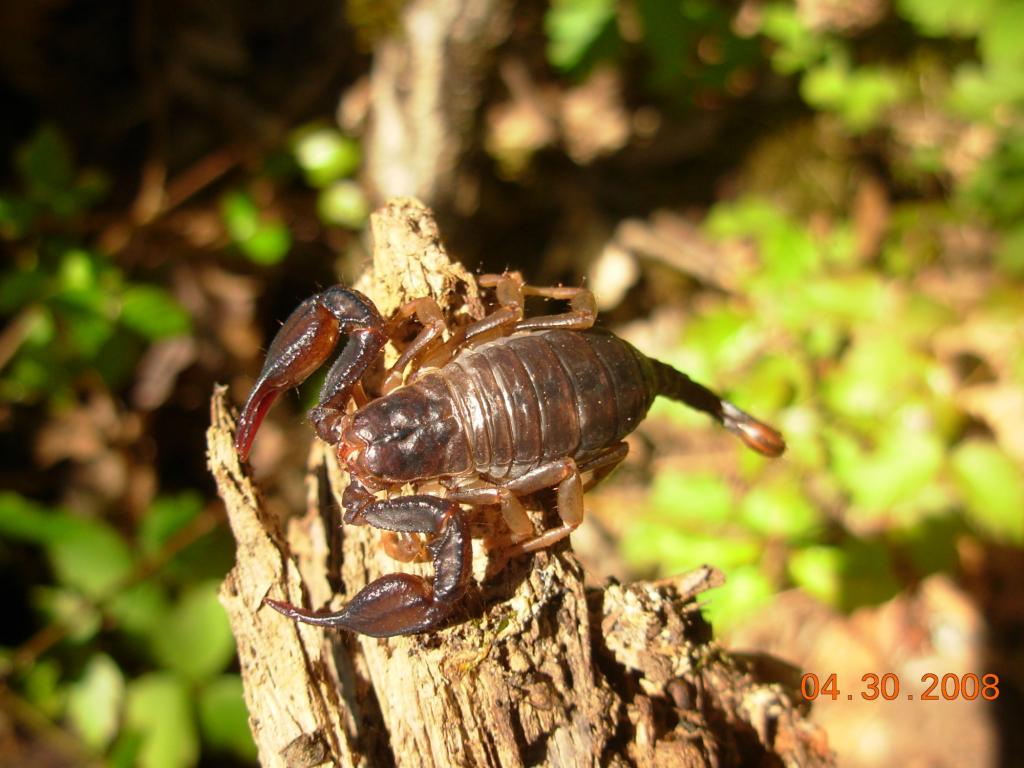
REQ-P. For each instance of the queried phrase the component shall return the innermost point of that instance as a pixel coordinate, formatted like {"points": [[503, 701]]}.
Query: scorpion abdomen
{"points": [[539, 396]]}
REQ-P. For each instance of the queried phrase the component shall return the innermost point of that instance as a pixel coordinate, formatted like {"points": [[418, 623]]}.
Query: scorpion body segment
{"points": [[526, 400], [547, 401]]}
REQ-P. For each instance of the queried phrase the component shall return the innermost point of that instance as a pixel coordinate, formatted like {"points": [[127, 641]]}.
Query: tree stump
{"points": [[534, 670]]}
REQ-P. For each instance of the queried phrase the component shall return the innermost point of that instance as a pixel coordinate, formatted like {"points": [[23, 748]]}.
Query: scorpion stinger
{"points": [[754, 433], [306, 340]]}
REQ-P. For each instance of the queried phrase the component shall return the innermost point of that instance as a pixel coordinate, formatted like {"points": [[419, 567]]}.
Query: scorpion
{"points": [[505, 407]]}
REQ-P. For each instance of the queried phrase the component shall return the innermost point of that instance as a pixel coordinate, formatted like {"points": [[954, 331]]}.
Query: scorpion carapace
{"points": [[493, 411]]}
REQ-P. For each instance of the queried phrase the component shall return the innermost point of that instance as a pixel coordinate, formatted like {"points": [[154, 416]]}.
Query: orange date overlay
{"points": [[887, 687]]}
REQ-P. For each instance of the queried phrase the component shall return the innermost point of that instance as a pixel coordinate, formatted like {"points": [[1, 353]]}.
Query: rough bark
{"points": [[534, 670], [425, 92]]}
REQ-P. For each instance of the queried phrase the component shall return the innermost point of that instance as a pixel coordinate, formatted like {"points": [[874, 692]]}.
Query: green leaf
{"points": [[648, 543], [69, 609], [1010, 254], [857, 573], [981, 92], [780, 509], [723, 336], [746, 590], [25, 520], [941, 18], [992, 488], [818, 571], [209, 557], [90, 556], [692, 499], [41, 686], [931, 544], [999, 41], [325, 155], [85, 554], [195, 639], [268, 245], [879, 370], [78, 274], [263, 242], [798, 47], [775, 380], [167, 515], [139, 610], [573, 27], [224, 718], [899, 472], [241, 215], [125, 751], [343, 203], [95, 700], [152, 312], [867, 575], [20, 288], [16, 216], [87, 329], [159, 710], [860, 96], [787, 249], [45, 165]]}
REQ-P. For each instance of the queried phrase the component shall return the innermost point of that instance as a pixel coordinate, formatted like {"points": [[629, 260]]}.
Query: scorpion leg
{"points": [[305, 341], [512, 509], [603, 464], [563, 473], [508, 318], [401, 603], [429, 315], [512, 291], [569, 494]]}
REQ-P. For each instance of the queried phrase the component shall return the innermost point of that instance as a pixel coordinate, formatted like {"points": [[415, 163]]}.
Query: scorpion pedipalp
{"points": [[306, 340], [401, 603]]}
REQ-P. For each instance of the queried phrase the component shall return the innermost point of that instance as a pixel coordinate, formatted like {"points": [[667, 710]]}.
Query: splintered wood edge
{"points": [[289, 711]]}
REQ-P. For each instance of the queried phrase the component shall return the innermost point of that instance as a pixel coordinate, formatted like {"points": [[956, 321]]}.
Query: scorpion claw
{"points": [[256, 407], [399, 604], [754, 434], [306, 340]]}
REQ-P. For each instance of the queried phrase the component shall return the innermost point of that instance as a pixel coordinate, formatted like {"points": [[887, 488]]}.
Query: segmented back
{"points": [[539, 396]]}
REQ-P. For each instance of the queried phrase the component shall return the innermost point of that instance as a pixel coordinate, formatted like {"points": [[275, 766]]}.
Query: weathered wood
{"points": [[425, 92], [533, 671]]}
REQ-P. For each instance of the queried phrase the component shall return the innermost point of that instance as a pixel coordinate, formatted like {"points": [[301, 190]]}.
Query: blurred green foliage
{"points": [[73, 312], [326, 159], [75, 319], [881, 466], [172, 621], [885, 467]]}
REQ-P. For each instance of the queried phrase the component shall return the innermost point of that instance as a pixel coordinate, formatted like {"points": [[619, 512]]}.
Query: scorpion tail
{"points": [[755, 434]]}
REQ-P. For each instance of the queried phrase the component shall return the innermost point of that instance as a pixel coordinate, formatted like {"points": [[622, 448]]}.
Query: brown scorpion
{"points": [[505, 407]]}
